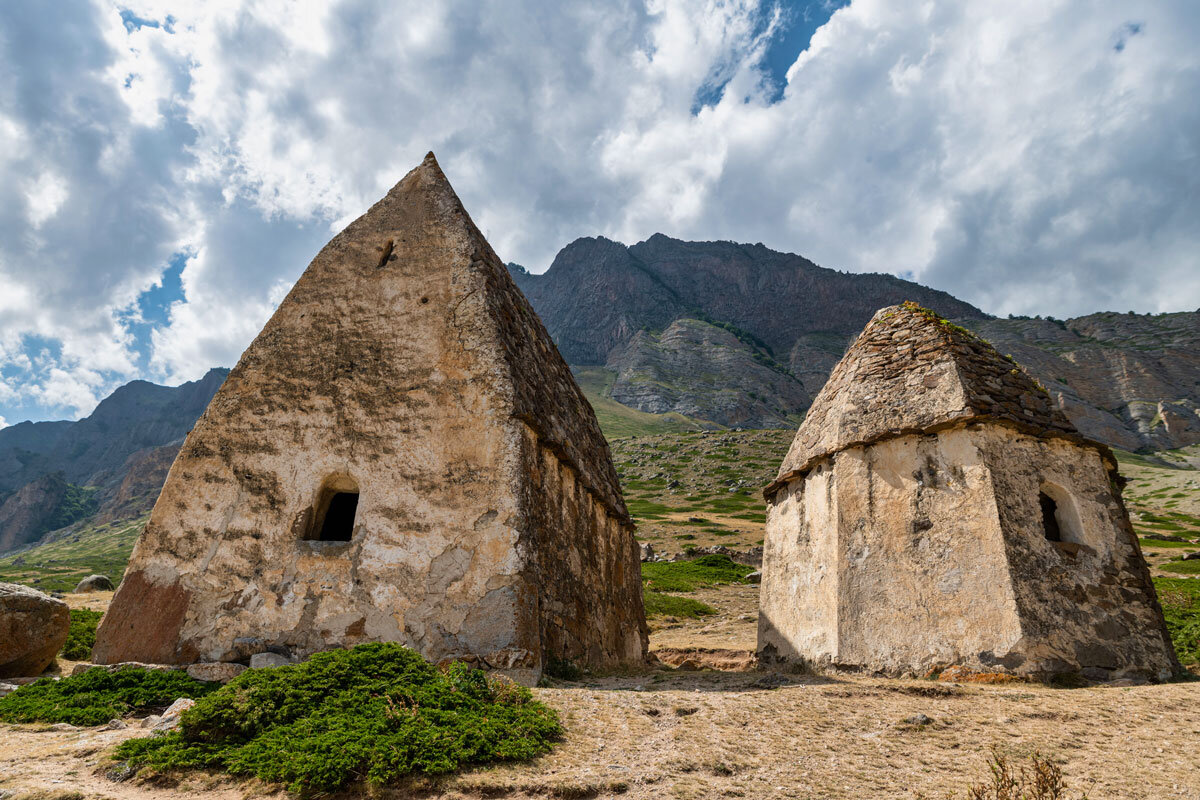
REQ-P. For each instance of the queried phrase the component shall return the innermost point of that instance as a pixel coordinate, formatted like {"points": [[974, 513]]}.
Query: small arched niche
{"points": [[335, 510], [1059, 519]]}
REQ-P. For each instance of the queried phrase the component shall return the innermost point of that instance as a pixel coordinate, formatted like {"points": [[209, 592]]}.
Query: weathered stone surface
{"points": [[169, 720], [268, 660], [216, 671], [94, 583], [406, 366], [909, 372], [33, 628], [915, 537]]}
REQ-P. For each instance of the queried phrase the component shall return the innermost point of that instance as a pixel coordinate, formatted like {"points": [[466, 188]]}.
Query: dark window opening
{"points": [[338, 524], [1050, 518], [335, 517]]}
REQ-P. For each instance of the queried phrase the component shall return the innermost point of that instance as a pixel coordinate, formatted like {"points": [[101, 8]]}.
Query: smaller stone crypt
{"points": [[400, 455], [937, 509]]}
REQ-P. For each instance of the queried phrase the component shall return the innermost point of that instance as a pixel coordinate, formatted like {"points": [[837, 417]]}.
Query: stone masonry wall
{"points": [[586, 566], [1086, 604]]}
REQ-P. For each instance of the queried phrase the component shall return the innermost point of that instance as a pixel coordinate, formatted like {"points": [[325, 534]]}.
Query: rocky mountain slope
{"points": [[1129, 380], [749, 311], [54, 473], [743, 336]]}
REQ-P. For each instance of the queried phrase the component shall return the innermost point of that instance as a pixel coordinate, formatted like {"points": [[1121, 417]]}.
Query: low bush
{"points": [[1180, 599], [376, 713], [668, 605], [96, 696], [687, 576], [82, 635]]}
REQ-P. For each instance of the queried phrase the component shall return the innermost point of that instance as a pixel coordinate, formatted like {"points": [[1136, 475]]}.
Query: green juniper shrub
{"points": [[82, 635], [376, 713], [96, 696], [687, 576], [1180, 599], [659, 604]]}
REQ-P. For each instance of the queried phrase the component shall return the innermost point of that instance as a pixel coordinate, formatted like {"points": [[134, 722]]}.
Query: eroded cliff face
{"points": [[405, 370], [1128, 380], [701, 370]]}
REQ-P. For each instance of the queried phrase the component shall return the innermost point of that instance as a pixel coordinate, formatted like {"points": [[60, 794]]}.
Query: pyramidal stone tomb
{"points": [[936, 509], [400, 455]]}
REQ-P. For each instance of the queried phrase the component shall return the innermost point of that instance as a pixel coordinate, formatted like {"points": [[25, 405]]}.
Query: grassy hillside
{"points": [[693, 488], [619, 421], [60, 564]]}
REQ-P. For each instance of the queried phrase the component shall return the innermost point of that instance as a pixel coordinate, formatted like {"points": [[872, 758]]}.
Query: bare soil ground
{"points": [[701, 733], [667, 733]]}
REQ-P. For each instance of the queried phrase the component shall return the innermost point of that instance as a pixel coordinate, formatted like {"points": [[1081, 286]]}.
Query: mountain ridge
{"points": [[672, 334], [95, 454]]}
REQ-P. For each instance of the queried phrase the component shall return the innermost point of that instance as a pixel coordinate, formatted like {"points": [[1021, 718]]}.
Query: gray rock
{"points": [[918, 719], [1191, 556], [244, 647], [7, 688], [266, 660], [219, 672], [94, 583], [647, 551], [150, 721], [33, 628], [63, 726], [170, 718], [116, 725], [754, 577]]}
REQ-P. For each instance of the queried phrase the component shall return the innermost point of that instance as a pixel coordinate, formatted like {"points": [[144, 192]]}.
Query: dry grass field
{"points": [[696, 732]]}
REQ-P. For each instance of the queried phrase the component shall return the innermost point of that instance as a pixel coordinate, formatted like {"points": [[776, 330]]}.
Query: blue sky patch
{"points": [[800, 20]]}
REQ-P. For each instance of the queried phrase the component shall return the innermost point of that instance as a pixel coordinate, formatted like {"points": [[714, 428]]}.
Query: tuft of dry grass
{"points": [[1038, 779]]}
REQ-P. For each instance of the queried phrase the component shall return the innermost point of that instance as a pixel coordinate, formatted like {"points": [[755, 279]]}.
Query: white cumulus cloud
{"points": [[1030, 157]]}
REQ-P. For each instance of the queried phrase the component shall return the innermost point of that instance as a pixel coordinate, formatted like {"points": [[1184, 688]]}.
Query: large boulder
{"points": [[33, 628], [94, 583]]}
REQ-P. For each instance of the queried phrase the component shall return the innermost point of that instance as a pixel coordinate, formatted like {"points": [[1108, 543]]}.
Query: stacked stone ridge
{"points": [[400, 455], [936, 508], [909, 371]]}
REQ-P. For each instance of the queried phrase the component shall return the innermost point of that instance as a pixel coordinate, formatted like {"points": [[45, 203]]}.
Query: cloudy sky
{"points": [[168, 169]]}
